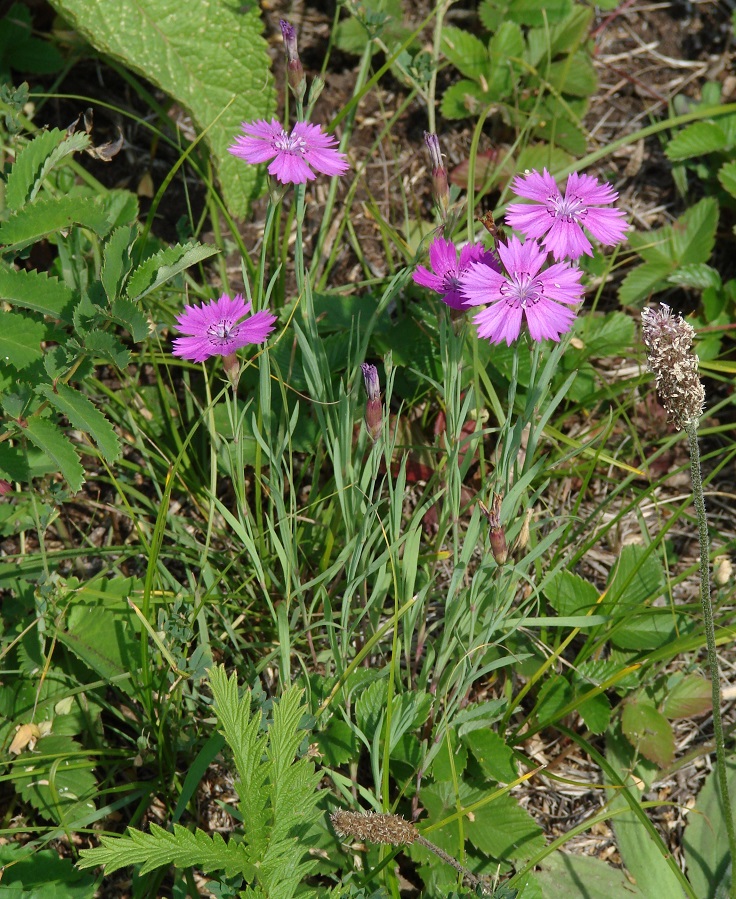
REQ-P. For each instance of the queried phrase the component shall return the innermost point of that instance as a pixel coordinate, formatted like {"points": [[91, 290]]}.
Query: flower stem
{"points": [[691, 428], [474, 881]]}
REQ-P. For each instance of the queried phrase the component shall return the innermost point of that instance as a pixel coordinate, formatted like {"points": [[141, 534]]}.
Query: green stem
{"points": [[710, 638]]}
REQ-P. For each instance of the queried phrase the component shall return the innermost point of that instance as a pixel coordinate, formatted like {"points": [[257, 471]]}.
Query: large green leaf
{"points": [[705, 839], [164, 265], [20, 340], [37, 220], [696, 140], [85, 416], [37, 291], [581, 877], [54, 443], [209, 56], [30, 873]]}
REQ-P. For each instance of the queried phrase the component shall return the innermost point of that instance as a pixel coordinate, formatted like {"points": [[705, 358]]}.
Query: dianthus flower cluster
{"points": [[516, 283], [223, 326]]}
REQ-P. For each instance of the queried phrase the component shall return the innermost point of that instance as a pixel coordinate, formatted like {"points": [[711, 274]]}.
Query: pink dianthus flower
{"points": [[293, 154], [524, 293], [559, 221], [220, 327], [447, 269]]}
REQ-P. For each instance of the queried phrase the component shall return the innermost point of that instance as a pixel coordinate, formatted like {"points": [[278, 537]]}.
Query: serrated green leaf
{"points": [[164, 265], [61, 787], [727, 177], [689, 696], [694, 236], [596, 713], [697, 275], [463, 99], [643, 280], [131, 317], [575, 76], [159, 847], [649, 732], [495, 758], [117, 261], [503, 830], [20, 339], [539, 12], [210, 57], [32, 873], [45, 217], [571, 32], [85, 416], [105, 346], [26, 173], [466, 52], [105, 642], [611, 335], [13, 463], [696, 139], [570, 594], [54, 443], [37, 291]]}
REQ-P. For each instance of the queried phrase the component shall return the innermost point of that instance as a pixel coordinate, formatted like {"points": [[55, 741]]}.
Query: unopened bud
{"points": [[668, 338], [499, 547], [231, 365], [370, 827], [5, 487], [294, 69], [373, 408], [440, 187]]}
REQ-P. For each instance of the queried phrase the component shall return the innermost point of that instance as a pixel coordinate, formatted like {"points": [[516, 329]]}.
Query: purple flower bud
{"points": [[440, 188], [374, 407], [499, 547], [297, 81]]}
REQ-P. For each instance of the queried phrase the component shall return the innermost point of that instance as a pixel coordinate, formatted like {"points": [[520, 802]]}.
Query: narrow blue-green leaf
{"points": [[20, 339], [52, 441], [210, 56], [164, 265], [37, 291], [85, 416], [44, 217]]}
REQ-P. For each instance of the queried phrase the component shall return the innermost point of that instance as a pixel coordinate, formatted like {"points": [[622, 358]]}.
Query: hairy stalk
{"points": [[691, 428]]}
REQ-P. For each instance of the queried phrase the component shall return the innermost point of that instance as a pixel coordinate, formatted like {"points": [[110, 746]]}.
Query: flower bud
{"points": [[373, 408], [231, 364], [499, 547], [440, 187], [294, 69]]}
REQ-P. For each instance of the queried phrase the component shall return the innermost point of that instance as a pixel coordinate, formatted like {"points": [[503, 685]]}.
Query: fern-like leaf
{"points": [[241, 730], [181, 848], [35, 161]]}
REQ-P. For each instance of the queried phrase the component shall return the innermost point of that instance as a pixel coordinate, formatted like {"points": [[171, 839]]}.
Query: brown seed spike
{"points": [[371, 827]]}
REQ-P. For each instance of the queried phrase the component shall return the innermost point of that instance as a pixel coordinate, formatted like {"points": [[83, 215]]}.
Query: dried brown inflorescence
{"points": [[370, 827], [668, 338]]}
